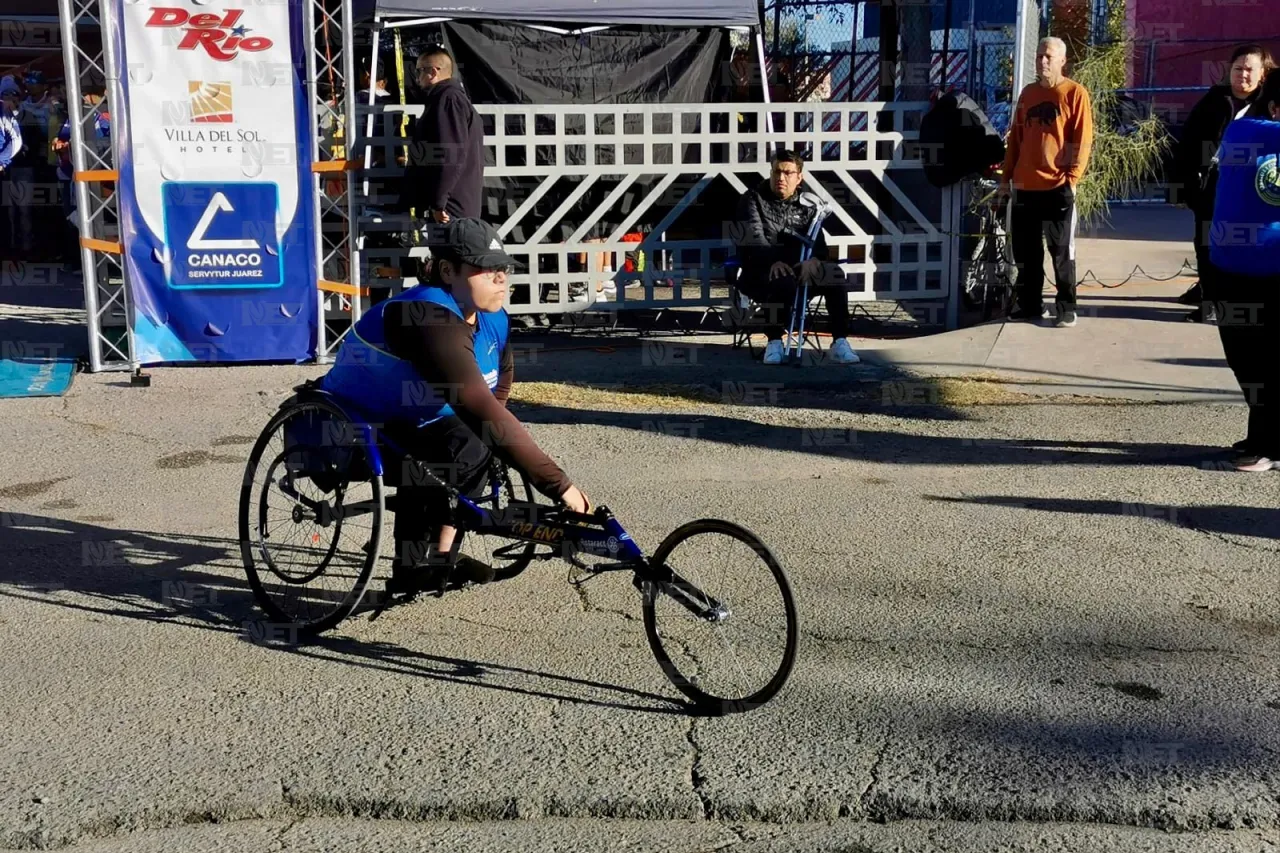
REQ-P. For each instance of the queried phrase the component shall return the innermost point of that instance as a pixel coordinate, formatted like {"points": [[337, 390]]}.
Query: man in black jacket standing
{"points": [[445, 171], [771, 219]]}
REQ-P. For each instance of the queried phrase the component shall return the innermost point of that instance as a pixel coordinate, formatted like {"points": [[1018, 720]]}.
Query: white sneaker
{"points": [[773, 352], [842, 353]]}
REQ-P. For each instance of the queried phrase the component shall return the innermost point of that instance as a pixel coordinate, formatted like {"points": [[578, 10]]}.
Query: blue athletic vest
{"points": [[367, 375], [1245, 239]]}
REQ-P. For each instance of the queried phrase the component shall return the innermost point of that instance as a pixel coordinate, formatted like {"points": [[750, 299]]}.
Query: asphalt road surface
{"points": [[1023, 627]]}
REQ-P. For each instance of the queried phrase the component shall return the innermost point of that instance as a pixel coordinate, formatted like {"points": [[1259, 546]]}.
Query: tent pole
{"points": [[373, 88], [764, 79]]}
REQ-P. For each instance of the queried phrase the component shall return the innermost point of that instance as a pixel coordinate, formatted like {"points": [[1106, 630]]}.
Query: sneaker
{"points": [[842, 352], [1253, 464], [1193, 296], [473, 570], [1200, 315], [773, 352], [1241, 446], [410, 580], [1025, 314], [1067, 320]]}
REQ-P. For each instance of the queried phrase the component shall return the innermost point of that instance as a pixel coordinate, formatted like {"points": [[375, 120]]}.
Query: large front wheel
{"points": [[720, 616]]}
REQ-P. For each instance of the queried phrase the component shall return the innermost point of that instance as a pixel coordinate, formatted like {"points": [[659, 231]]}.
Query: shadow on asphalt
{"points": [[885, 446], [1173, 313], [56, 329], [1191, 362], [689, 368], [1216, 518], [161, 578]]}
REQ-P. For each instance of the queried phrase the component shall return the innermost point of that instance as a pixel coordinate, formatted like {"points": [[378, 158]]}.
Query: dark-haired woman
{"points": [[1195, 166], [1245, 250]]}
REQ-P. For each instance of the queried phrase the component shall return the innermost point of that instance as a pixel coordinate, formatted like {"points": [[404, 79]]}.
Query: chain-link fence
{"points": [[830, 51], [1168, 73]]}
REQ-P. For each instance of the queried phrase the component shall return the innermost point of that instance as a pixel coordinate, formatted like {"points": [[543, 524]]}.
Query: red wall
{"points": [[1175, 32]]}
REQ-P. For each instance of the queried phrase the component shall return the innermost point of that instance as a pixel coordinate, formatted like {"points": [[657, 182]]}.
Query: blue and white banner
{"points": [[217, 210]]}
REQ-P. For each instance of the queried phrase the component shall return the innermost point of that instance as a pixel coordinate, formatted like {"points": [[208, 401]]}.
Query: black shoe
{"points": [[1193, 296], [1200, 315], [1066, 319], [1021, 315], [471, 569], [411, 580]]}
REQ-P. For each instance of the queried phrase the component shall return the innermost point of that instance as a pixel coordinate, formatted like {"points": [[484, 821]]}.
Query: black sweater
{"points": [[446, 157], [1201, 136], [768, 229]]}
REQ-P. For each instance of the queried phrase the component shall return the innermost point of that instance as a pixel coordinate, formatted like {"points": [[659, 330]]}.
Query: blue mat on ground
{"points": [[36, 377]]}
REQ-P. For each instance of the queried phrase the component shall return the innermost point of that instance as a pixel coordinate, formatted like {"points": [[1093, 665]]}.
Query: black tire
{"points": [[268, 462], [703, 695]]}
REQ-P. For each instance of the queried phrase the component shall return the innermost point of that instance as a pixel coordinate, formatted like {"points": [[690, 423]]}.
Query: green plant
{"points": [[1123, 158]]}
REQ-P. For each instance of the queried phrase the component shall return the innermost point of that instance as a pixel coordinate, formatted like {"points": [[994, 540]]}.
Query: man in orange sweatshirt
{"points": [[1047, 152]]}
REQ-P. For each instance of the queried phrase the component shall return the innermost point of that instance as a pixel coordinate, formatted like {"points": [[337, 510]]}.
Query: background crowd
{"points": [[37, 201]]}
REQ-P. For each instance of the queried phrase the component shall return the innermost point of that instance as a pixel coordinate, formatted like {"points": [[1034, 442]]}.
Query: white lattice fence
{"points": [[578, 173]]}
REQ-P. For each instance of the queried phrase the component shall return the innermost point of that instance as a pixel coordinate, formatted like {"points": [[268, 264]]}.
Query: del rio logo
{"points": [[221, 36]]}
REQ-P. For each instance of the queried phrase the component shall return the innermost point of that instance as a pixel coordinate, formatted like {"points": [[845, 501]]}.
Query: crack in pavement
{"points": [[865, 800], [696, 777], [278, 841], [504, 628], [1223, 537]]}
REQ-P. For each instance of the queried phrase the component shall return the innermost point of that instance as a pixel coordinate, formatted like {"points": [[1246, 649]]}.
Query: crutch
{"points": [[800, 307]]}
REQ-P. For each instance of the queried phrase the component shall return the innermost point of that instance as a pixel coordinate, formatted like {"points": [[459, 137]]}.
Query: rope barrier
{"points": [[1137, 271]]}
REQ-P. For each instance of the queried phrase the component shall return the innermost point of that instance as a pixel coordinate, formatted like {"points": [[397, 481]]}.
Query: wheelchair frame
{"points": [[567, 534]]}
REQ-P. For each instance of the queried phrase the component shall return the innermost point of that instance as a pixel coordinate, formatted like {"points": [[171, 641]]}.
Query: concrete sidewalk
{"points": [[1131, 341]]}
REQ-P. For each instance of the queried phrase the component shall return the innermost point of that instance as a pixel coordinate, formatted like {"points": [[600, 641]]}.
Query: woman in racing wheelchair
{"points": [[433, 365]]}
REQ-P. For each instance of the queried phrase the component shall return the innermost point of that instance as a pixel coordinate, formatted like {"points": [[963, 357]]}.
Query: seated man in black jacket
{"points": [[771, 221]]}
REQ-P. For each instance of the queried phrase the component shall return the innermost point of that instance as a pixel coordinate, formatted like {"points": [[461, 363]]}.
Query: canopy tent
{"points": [[672, 13], [581, 51], [485, 30]]}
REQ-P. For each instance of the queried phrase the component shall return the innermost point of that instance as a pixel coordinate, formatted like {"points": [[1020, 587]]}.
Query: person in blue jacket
{"points": [[10, 145], [434, 366], [1245, 248]]}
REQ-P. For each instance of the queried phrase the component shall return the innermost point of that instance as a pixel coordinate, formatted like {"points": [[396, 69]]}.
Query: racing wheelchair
{"points": [[312, 517]]}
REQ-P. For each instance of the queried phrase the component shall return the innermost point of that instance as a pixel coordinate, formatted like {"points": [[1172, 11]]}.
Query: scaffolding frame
{"points": [[97, 208], [107, 287]]}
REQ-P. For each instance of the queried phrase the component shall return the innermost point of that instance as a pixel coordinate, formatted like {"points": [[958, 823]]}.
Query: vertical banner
{"points": [[216, 200]]}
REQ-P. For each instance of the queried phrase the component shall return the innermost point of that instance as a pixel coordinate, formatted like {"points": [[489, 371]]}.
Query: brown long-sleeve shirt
{"points": [[441, 346], [1050, 137]]}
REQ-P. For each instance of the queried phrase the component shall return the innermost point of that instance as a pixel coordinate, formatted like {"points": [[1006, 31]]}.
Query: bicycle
{"points": [[988, 275], [320, 469]]}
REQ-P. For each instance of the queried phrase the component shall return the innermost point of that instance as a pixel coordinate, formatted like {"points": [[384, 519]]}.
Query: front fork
{"points": [[655, 579]]}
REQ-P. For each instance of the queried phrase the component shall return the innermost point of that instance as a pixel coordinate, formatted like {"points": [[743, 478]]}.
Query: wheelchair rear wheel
{"points": [[311, 514]]}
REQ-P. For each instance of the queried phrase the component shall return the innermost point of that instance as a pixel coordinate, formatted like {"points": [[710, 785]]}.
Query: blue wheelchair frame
{"points": [[599, 533]]}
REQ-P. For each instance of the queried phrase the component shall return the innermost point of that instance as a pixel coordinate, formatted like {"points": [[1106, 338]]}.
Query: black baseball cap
{"points": [[475, 242]]}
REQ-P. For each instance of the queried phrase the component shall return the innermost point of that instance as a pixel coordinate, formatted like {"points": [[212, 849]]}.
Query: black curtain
{"points": [[514, 64]]}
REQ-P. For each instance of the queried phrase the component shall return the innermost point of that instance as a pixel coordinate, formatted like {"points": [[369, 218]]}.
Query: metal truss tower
{"points": [[330, 88]]}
